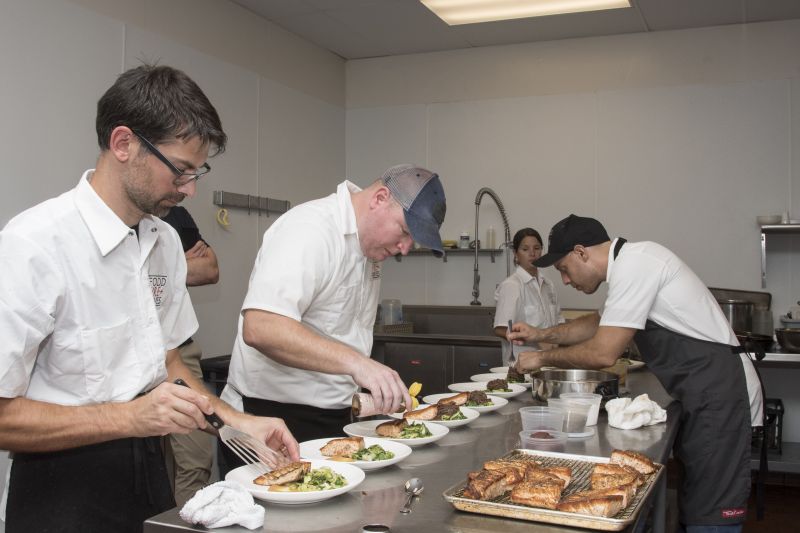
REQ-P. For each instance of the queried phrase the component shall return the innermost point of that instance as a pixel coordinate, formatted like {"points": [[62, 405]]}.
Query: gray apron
{"points": [[713, 441]]}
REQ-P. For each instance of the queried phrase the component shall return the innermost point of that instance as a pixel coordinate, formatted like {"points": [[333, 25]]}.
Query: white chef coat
{"points": [[88, 310], [648, 281], [310, 268], [524, 298]]}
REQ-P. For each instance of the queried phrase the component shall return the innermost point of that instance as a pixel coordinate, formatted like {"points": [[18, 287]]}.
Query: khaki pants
{"points": [[189, 457]]}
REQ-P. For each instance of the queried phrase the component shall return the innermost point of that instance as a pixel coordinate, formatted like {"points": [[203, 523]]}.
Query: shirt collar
{"points": [[611, 258], [346, 211], [106, 228], [523, 274]]}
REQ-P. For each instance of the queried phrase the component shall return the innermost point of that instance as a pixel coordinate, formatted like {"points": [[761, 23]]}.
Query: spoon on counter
{"points": [[414, 487]]}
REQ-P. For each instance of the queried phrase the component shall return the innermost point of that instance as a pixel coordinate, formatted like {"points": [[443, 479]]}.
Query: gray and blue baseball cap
{"points": [[421, 195]]}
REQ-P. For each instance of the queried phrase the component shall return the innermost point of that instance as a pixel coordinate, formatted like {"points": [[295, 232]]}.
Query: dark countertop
{"points": [[430, 338], [443, 464]]}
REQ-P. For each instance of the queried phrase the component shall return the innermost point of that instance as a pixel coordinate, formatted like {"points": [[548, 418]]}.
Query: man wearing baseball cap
{"points": [[305, 332], [657, 301]]}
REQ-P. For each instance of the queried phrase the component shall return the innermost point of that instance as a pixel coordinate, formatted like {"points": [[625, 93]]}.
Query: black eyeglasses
{"points": [[181, 176]]}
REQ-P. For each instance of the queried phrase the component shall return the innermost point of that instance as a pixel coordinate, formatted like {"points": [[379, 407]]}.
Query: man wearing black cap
{"points": [[656, 300], [305, 332]]}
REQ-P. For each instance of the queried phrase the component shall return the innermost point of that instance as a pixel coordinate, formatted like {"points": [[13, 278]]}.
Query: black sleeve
{"points": [[180, 219]]}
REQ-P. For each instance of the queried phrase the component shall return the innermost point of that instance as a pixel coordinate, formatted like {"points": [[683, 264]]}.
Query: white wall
{"points": [[280, 98], [679, 137]]}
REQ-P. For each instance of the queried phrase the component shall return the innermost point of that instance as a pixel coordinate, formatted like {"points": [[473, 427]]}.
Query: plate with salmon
{"points": [[366, 453], [476, 400], [299, 482], [448, 415], [410, 433]]}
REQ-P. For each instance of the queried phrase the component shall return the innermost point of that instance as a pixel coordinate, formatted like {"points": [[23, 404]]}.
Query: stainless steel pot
{"points": [[739, 314], [552, 383]]}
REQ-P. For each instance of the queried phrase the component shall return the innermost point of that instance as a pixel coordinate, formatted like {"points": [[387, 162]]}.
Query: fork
{"points": [[254, 453], [513, 359]]}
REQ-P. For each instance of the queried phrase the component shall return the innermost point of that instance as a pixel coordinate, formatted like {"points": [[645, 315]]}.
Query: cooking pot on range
{"points": [[739, 314], [553, 383]]}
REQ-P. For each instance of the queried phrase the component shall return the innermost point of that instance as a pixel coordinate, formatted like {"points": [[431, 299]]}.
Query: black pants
{"points": [[304, 421], [111, 487]]}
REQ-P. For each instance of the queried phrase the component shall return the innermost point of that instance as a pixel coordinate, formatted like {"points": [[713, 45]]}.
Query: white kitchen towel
{"points": [[625, 413], [224, 503]]}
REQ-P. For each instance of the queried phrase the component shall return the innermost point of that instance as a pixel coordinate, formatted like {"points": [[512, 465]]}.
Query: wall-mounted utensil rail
{"points": [[251, 203]]}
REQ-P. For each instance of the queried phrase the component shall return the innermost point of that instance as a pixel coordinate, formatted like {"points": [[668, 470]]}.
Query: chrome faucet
{"points": [[476, 278]]}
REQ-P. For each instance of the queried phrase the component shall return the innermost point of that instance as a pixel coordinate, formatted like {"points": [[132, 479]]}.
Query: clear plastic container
{"points": [[541, 417], [543, 439], [586, 397], [575, 414]]}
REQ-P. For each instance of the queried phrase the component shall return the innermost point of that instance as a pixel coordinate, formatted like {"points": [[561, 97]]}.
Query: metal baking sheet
{"points": [[581, 466]]}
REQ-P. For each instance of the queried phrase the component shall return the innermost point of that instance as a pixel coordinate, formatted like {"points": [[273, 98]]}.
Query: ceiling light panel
{"points": [[455, 12]]}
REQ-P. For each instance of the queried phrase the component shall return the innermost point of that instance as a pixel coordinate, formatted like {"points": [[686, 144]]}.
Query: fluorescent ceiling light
{"points": [[455, 12]]}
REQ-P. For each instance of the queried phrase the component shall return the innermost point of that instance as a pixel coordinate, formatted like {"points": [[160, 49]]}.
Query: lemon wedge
{"points": [[415, 389], [414, 403]]}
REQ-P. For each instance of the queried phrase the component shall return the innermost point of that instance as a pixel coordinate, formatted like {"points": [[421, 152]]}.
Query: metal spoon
{"points": [[414, 487]]}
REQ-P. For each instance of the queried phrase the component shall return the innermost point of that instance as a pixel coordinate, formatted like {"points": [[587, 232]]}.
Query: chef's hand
{"points": [[271, 431], [387, 389], [528, 362], [198, 250], [169, 408], [521, 333]]}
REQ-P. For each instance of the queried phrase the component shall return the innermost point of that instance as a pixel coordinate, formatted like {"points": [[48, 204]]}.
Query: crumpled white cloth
{"points": [[625, 413], [223, 503]]}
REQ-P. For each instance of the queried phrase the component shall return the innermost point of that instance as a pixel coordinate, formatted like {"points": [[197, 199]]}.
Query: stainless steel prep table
{"points": [[440, 465]]}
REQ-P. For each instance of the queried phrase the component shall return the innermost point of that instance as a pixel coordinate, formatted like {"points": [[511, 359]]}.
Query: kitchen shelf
{"points": [[773, 229], [787, 462], [453, 251]]}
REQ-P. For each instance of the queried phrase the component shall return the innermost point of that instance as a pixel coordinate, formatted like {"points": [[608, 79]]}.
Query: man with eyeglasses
{"points": [[94, 307]]}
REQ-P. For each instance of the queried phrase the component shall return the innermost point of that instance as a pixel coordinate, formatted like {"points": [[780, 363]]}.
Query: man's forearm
{"points": [[572, 332], [33, 426], [290, 343]]}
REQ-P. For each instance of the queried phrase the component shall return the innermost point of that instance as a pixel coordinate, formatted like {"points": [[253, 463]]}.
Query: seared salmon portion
{"points": [[457, 399], [428, 413], [344, 447], [286, 474], [391, 429]]}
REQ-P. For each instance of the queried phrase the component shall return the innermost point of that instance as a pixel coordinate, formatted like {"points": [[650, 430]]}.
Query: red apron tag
{"points": [[733, 513]]}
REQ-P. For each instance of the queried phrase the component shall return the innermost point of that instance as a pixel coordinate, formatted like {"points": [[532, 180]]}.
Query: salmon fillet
{"points": [[457, 399], [606, 506], [285, 474], [537, 494], [428, 413], [344, 447], [486, 485], [391, 429], [638, 461]]}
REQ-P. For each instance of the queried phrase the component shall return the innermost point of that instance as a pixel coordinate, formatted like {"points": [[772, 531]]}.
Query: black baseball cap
{"points": [[569, 232]]}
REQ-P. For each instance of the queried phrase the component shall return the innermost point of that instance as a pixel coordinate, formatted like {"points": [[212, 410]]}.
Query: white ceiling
{"points": [[356, 29]]}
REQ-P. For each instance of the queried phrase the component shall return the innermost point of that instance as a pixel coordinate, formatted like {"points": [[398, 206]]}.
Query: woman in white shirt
{"points": [[525, 296]]}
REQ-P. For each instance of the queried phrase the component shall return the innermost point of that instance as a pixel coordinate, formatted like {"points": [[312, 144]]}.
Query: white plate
{"points": [[470, 386], [310, 450], [367, 429], [468, 412], [245, 475], [497, 375], [497, 402]]}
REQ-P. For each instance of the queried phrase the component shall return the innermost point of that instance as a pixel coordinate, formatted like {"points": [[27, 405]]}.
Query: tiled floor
{"points": [[781, 515]]}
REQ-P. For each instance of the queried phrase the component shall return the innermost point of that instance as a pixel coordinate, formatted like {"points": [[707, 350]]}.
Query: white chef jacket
{"points": [[648, 281], [310, 268], [523, 298], [88, 310]]}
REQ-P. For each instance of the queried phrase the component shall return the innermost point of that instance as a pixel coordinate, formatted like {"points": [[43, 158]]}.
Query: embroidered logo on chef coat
{"points": [[733, 513], [376, 270], [158, 284]]}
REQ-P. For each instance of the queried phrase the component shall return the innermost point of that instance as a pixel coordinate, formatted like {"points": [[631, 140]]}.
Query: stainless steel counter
{"points": [[442, 464]]}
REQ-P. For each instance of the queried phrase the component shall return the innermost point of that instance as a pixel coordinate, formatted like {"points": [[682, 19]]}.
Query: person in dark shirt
{"points": [[190, 457]]}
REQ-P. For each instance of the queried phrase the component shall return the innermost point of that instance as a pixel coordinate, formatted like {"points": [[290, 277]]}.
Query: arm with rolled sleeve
{"points": [[292, 269], [508, 306]]}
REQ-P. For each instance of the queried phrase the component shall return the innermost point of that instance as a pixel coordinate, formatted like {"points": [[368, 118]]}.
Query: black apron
{"points": [[713, 441], [112, 486]]}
